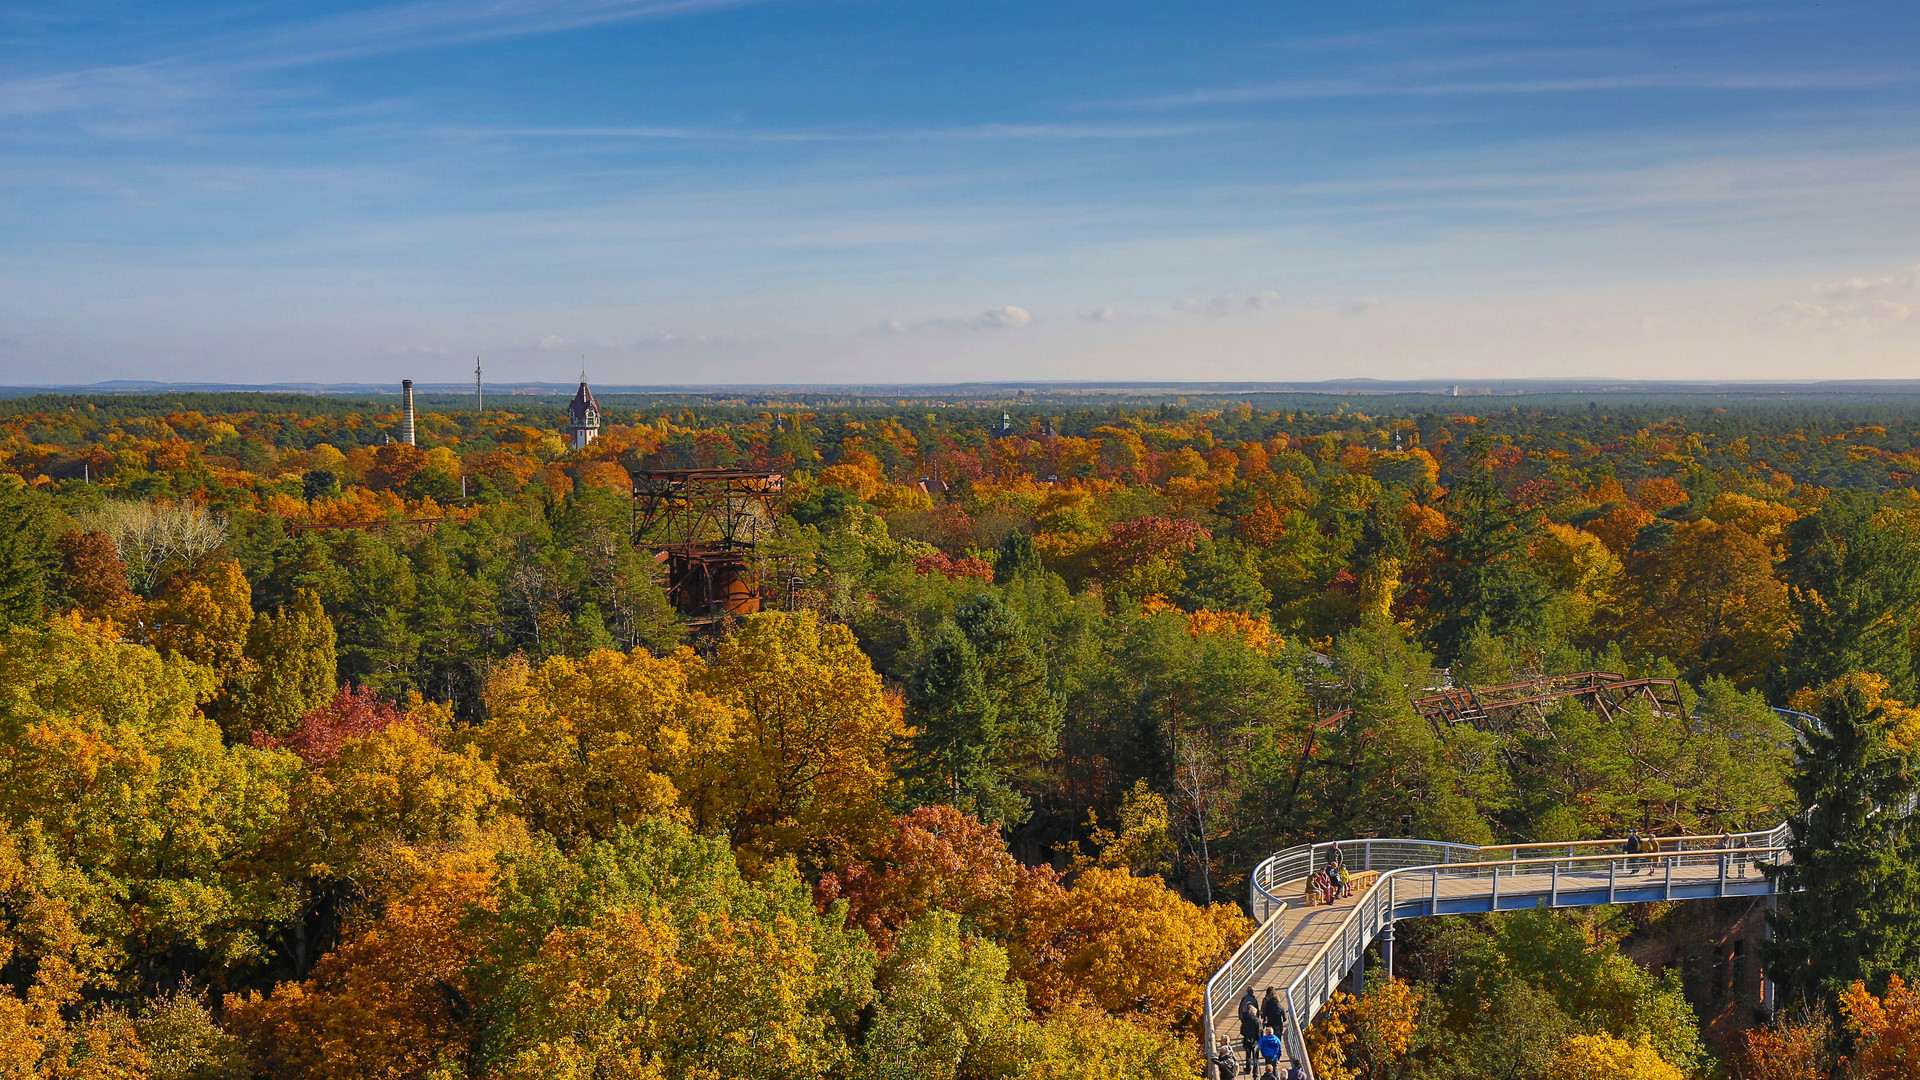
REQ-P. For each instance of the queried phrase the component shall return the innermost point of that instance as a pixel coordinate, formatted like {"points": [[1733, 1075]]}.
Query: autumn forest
{"points": [[323, 755]]}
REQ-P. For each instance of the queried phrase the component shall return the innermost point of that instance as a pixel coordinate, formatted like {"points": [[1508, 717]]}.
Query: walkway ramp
{"points": [[1304, 950]]}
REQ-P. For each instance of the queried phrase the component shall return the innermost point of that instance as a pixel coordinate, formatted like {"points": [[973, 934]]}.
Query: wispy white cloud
{"points": [[1865, 316], [427, 24], [671, 340], [199, 71], [1000, 318], [1869, 286], [963, 132], [1234, 304], [1302, 89]]}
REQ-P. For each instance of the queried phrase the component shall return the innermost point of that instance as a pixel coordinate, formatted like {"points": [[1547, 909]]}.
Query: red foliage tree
{"points": [[353, 712], [1132, 544], [954, 566], [935, 857]]}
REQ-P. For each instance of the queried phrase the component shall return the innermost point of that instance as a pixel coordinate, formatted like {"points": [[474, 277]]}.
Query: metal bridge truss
{"points": [[1521, 707]]}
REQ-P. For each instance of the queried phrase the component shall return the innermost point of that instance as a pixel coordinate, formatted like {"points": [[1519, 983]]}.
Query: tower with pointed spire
{"points": [[583, 416]]}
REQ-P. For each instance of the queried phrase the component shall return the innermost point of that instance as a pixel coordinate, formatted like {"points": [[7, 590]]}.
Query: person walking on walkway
{"points": [[1270, 1051], [1274, 1013], [1222, 1063], [1634, 847], [1249, 1025]]}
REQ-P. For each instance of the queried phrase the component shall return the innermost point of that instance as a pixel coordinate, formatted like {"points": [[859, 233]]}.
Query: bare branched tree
{"points": [[156, 538]]}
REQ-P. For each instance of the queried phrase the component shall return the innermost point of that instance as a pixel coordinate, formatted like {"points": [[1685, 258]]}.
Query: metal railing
{"points": [[1416, 875], [1238, 970], [1279, 876]]}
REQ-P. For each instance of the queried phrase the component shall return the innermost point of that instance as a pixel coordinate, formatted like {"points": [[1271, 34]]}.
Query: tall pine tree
{"points": [[27, 558], [1854, 574], [1488, 574], [1853, 867], [957, 731]]}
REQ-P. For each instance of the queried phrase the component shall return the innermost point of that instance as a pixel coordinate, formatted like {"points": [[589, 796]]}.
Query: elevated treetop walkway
{"points": [[1304, 950]]}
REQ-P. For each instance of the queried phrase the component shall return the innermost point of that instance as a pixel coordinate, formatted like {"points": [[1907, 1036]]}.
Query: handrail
{"points": [[1397, 858], [1373, 913], [1242, 964]]}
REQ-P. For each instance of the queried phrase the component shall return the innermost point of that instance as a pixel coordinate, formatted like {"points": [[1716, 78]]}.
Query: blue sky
{"points": [[798, 190]]}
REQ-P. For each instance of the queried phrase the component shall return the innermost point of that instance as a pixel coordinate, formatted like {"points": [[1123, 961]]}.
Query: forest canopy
{"points": [[323, 754]]}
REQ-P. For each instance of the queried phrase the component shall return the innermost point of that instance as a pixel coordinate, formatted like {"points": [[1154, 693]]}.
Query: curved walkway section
{"points": [[1304, 949]]}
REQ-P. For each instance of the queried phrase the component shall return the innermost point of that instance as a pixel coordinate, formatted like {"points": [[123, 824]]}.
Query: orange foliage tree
{"points": [[1886, 1030], [934, 857], [393, 1001]]}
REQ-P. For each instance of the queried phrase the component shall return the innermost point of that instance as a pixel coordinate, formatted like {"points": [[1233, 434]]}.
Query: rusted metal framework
{"points": [[704, 524], [1521, 707]]}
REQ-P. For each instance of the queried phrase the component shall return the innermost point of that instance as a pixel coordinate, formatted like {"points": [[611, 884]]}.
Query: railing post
{"points": [[1366, 856], [1433, 905], [1669, 886]]}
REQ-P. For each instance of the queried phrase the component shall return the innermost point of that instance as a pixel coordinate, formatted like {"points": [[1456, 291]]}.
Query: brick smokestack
{"points": [[406, 411]]}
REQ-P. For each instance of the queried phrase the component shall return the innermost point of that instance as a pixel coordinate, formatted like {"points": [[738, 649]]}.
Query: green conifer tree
{"points": [[957, 727], [1854, 570], [1017, 558], [1488, 576], [1854, 859], [27, 558]]}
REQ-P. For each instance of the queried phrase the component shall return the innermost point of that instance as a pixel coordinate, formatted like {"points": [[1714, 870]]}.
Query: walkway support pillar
{"points": [[1766, 984], [1386, 951]]}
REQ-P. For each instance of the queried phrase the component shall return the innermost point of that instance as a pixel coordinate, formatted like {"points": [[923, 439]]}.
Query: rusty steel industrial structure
{"points": [[1521, 707], [705, 524]]}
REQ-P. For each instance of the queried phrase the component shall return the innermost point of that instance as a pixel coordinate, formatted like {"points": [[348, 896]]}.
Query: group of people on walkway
{"points": [[1263, 1029], [1329, 883], [1733, 858]]}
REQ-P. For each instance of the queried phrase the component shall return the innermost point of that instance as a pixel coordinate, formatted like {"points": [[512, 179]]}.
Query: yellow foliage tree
{"points": [[1330, 1039], [45, 1028], [295, 668], [1082, 1043], [1603, 1057], [1903, 720], [104, 754], [602, 993], [1709, 598], [1579, 565], [392, 787], [1123, 943], [809, 767], [587, 745], [206, 619]]}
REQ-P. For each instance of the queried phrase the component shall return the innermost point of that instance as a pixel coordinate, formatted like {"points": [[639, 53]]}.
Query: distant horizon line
{"points": [[1438, 386]]}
